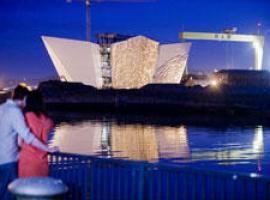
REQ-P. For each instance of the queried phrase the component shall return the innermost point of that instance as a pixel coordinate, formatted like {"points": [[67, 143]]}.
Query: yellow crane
{"points": [[256, 40]]}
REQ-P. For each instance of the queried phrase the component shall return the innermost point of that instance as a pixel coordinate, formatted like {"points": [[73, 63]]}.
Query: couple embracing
{"points": [[25, 131]]}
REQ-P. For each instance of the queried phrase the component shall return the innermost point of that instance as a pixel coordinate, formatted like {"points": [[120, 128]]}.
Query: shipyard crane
{"points": [[88, 4], [256, 40]]}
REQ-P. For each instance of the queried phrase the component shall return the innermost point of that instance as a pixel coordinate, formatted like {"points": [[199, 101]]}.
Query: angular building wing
{"points": [[133, 62], [75, 61], [171, 64]]}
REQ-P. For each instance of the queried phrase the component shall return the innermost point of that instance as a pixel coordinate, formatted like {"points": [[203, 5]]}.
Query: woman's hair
{"points": [[34, 103]]}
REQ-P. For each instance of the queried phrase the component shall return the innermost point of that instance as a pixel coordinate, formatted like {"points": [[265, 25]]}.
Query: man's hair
{"points": [[20, 92], [35, 103]]}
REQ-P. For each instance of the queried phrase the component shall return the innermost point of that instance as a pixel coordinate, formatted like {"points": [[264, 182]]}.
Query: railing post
{"points": [[92, 179], [142, 174]]}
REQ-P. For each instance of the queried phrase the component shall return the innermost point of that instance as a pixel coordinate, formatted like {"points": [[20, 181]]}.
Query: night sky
{"points": [[22, 22]]}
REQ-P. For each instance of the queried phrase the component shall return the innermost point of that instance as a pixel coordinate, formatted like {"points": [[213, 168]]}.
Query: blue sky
{"points": [[22, 22]]}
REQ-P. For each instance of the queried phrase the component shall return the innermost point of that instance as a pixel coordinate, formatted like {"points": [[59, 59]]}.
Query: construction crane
{"points": [[229, 36], [88, 4]]}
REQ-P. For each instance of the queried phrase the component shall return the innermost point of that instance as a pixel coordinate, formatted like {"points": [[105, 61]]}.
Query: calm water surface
{"points": [[232, 148]]}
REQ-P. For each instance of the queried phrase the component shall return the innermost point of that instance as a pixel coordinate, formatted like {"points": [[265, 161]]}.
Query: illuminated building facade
{"points": [[130, 63]]}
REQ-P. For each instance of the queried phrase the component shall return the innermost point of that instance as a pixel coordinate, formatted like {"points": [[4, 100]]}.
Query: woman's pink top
{"points": [[33, 161]]}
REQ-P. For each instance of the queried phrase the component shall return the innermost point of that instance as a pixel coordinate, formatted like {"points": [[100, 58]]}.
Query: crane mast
{"points": [[88, 4], [88, 20]]}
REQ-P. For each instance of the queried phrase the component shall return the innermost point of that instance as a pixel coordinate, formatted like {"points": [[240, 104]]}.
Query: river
{"points": [[227, 147]]}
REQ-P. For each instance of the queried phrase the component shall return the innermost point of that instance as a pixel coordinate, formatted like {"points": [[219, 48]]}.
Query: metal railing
{"points": [[89, 177]]}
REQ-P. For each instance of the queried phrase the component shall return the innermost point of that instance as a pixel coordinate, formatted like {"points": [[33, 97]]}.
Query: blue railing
{"points": [[89, 177]]}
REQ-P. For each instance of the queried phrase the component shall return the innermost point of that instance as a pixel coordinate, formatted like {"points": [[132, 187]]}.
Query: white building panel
{"points": [[75, 61], [172, 61]]}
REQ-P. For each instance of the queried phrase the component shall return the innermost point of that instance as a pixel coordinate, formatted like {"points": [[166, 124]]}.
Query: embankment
{"points": [[157, 98]]}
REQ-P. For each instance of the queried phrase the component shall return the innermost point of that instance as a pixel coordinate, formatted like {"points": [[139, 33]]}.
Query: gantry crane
{"points": [[256, 40]]}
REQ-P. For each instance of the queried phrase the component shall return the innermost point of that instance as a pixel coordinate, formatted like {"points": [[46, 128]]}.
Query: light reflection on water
{"points": [[233, 148], [136, 142]]}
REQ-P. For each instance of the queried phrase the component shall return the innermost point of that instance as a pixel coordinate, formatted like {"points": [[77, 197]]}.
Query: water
{"points": [[242, 149]]}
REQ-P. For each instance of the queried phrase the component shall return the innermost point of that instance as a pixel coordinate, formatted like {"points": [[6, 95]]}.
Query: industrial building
{"points": [[242, 78]]}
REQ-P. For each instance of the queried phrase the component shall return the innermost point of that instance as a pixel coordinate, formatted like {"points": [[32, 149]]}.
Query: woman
{"points": [[32, 161]]}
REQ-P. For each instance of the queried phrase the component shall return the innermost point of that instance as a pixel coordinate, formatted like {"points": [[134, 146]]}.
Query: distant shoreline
{"points": [[4, 96], [160, 99]]}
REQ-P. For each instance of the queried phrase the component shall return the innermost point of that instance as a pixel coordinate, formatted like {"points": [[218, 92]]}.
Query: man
{"points": [[12, 124]]}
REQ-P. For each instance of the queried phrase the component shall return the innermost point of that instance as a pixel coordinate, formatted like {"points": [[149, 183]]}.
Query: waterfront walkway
{"points": [[90, 177]]}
